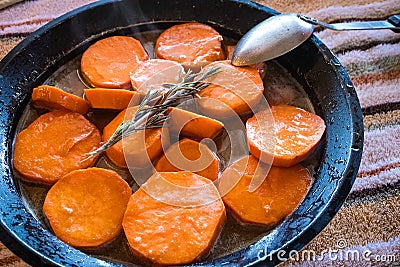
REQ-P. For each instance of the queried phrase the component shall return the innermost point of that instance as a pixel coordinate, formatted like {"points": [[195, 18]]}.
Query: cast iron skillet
{"points": [[312, 64]]}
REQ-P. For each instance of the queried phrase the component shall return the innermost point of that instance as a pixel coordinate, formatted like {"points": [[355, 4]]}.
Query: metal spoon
{"points": [[281, 33]]}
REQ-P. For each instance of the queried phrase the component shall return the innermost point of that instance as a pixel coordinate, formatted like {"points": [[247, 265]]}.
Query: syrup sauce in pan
{"points": [[280, 88]]}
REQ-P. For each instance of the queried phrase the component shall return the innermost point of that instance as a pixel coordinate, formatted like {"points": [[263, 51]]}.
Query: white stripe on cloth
{"points": [[378, 59], [381, 148], [378, 92], [346, 40], [380, 179], [14, 20]]}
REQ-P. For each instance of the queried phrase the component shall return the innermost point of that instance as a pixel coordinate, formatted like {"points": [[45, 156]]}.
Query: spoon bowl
{"points": [[271, 38]]}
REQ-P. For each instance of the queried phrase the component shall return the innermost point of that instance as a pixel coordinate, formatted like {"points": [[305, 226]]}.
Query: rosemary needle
{"points": [[152, 109]]}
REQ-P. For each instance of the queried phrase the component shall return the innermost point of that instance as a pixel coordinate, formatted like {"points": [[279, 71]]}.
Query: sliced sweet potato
{"points": [[111, 98], [192, 44], [54, 98], [192, 125], [85, 208], [137, 150], [108, 62], [234, 90], [189, 155], [153, 73], [260, 67], [278, 195], [53, 145], [163, 230], [296, 133]]}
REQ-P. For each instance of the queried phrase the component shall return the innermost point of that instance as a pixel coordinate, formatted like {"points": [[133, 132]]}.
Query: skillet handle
{"points": [[395, 20]]}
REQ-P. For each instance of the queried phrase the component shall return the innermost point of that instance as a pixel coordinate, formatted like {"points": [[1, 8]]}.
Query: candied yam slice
{"points": [[108, 62], [85, 208], [54, 98], [234, 90], [138, 150], [278, 195], [192, 44], [192, 125], [161, 231], [189, 155], [153, 73], [296, 133], [55, 144], [117, 99]]}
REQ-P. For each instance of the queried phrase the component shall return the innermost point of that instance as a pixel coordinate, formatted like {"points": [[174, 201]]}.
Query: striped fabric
{"points": [[366, 231], [6, 3]]}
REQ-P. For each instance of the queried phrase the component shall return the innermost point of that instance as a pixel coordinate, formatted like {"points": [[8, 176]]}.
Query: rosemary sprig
{"points": [[151, 111]]}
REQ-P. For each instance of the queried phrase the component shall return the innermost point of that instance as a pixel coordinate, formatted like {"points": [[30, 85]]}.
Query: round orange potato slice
{"points": [[55, 144], [294, 134], [108, 62], [275, 198], [153, 73], [164, 227], [192, 44], [85, 208], [234, 90]]}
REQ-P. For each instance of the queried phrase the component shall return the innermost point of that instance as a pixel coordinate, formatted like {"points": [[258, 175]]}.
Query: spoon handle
{"points": [[392, 23], [395, 20]]}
